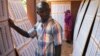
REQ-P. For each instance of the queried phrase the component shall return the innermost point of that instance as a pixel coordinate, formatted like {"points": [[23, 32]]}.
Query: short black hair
{"points": [[43, 6]]}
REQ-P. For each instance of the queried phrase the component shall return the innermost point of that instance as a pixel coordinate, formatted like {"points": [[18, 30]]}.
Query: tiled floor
{"points": [[66, 49]]}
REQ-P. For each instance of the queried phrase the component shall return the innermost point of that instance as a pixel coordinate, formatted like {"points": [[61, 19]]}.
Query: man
{"points": [[47, 30]]}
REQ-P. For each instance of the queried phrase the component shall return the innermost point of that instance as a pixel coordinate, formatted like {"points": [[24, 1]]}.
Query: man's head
{"points": [[43, 10]]}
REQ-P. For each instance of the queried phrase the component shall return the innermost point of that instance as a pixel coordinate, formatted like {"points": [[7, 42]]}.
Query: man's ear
{"points": [[49, 10]]}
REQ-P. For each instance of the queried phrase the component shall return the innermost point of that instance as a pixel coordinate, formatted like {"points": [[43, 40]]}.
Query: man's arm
{"points": [[19, 30], [58, 50], [57, 34]]}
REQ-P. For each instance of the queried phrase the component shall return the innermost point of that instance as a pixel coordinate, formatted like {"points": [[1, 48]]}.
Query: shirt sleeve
{"points": [[33, 32], [57, 34]]}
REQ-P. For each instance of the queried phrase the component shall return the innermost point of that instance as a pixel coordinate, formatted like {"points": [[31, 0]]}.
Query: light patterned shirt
{"points": [[49, 35]]}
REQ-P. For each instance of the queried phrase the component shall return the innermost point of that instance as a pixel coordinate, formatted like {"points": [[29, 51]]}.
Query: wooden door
{"points": [[24, 46], [6, 43], [83, 36]]}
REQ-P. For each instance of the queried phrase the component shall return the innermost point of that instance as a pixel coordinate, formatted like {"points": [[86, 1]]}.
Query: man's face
{"points": [[44, 14]]}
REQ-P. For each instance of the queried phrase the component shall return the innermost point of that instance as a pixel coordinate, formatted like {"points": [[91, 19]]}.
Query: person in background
{"points": [[47, 30], [68, 26]]}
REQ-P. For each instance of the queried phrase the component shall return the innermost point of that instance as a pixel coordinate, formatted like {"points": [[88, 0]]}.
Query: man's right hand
{"points": [[19, 30], [11, 23]]}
